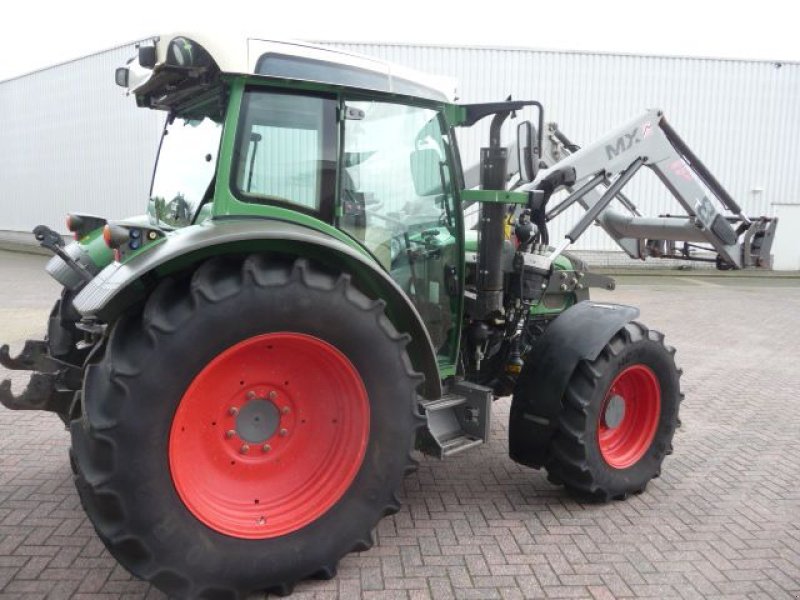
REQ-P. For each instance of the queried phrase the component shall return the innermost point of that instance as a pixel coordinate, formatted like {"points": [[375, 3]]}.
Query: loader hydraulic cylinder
{"points": [[491, 232]]}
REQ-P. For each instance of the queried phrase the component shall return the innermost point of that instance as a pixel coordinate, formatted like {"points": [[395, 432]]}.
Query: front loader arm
{"points": [[596, 174]]}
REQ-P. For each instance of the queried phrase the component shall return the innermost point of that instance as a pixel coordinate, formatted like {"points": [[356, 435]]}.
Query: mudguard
{"points": [[120, 285], [579, 333]]}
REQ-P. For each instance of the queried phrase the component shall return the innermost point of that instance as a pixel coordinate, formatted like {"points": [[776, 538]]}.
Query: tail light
{"points": [[125, 239], [116, 236], [82, 225]]}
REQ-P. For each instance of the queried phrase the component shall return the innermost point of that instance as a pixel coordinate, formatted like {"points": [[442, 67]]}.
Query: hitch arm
{"points": [[41, 393], [51, 386], [34, 357]]}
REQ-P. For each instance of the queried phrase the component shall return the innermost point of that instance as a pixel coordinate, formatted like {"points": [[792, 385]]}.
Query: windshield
{"points": [[185, 170]]}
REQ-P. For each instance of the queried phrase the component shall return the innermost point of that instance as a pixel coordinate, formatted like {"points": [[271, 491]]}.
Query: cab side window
{"points": [[286, 150]]}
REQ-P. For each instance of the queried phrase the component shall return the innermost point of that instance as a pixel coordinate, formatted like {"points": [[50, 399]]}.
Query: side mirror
{"points": [[527, 151], [121, 76], [426, 172]]}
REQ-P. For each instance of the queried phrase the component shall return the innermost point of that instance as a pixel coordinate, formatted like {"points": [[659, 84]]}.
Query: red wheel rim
{"points": [[269, 435], [629, 416]]}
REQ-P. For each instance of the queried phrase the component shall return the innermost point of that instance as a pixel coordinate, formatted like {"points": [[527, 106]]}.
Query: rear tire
{"points": [[135, 476], [619, 417]]}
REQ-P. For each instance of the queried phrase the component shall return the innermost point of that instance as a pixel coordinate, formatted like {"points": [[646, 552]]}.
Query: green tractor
{"points": [[246, 369]]}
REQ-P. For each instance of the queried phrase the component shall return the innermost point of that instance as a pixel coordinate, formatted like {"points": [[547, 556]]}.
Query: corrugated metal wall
{"points": [[70, 140], [741, 117]]}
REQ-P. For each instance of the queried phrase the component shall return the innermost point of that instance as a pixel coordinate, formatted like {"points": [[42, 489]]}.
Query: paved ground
{"points": [[722, 521]]}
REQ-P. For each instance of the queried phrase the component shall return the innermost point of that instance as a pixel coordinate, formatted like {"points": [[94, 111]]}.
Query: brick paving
{"points": [[723, 521]]}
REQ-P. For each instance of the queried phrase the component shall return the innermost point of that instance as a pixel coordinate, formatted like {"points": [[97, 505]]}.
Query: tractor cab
{"points": [[310, 135]]}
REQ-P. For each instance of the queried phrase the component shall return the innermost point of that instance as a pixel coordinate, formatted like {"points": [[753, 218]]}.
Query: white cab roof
{"points": [[237, 53]]}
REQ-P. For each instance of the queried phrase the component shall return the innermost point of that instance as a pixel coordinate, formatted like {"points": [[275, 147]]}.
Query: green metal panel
{"points": [[494, 196], [561, 263], [454, 114]]}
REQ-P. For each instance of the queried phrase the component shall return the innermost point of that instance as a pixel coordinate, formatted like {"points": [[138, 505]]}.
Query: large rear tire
{"points": [[619, 417], [247, 429]]}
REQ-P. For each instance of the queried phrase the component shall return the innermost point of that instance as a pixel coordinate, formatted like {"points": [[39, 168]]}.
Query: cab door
{"points": [[397, 198]]}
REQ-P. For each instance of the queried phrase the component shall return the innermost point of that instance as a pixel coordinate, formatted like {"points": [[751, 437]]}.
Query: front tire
{"points": [[619, 416], [247, 429]]}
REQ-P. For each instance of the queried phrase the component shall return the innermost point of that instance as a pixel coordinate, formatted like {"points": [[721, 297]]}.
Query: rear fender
{"points": [[121, 285], [579, 333]]}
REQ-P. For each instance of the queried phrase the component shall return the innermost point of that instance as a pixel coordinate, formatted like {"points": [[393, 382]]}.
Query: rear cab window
{"points": [[286, 150]]}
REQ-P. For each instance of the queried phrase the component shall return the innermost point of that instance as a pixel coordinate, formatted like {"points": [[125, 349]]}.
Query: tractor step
{"points": [[457, 421], [446, 401], [459, 444]]}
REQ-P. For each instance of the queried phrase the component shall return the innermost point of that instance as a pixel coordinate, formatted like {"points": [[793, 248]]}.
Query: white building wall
{"points": [[786, 247], [71, 140]]}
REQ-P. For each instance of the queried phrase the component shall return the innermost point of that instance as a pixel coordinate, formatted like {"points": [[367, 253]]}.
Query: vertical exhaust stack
{"points": [[491, 234]]}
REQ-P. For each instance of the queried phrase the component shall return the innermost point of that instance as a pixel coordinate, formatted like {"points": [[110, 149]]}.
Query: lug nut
{"points": [[244, 449], [285, 410], [266, 448], [251, 395], [233, 411], [273, 394], [284, 432], [230, 433], [563, 287]]}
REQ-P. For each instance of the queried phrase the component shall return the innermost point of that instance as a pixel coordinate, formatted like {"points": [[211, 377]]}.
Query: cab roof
{"points": [[241, 54]]}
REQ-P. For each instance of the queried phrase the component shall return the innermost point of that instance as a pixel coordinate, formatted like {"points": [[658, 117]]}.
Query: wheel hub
{"points": [[257, 421], [629, 416], [615, 411]]}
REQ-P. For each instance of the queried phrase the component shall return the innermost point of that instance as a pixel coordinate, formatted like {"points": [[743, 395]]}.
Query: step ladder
{"points": [[457, 421]]}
